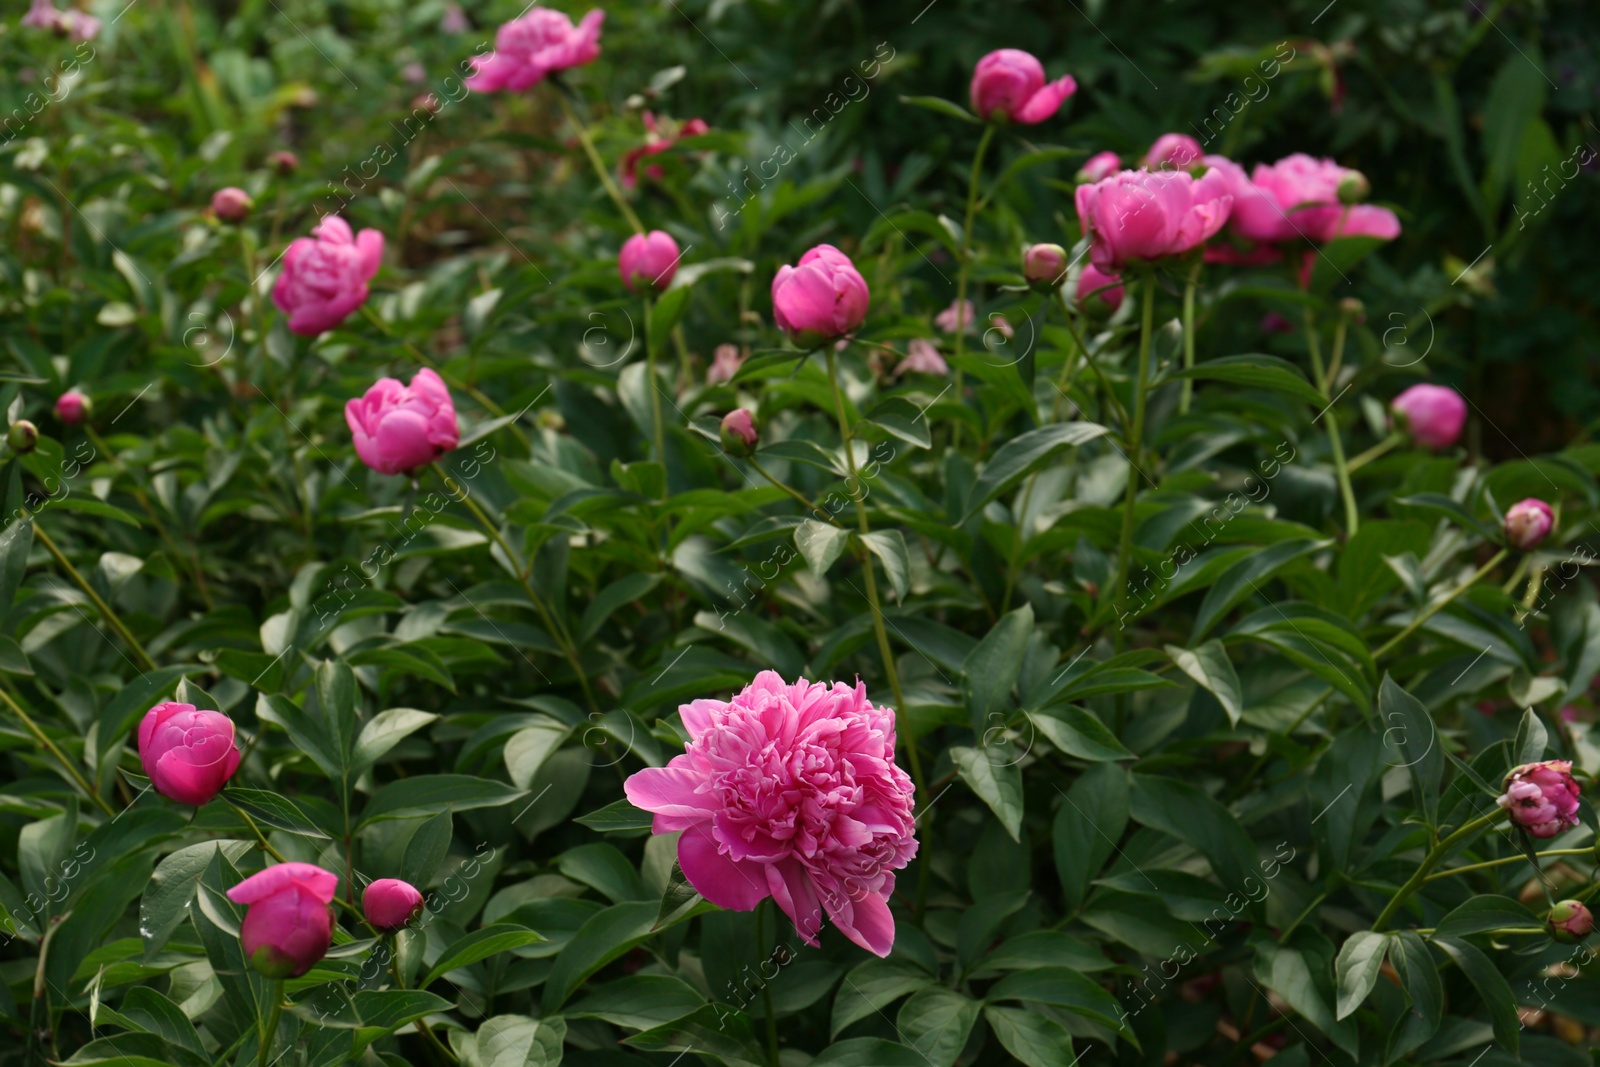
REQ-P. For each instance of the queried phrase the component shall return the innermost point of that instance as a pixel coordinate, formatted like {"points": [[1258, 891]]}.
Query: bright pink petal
{"points": [[720, 879]]}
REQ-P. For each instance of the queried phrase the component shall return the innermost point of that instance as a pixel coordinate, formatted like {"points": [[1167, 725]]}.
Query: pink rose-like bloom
{"points": [[648, 261], [1433, 414], [739, 433], [1145, 215], [389, 903], [1100, 165], [922, 357], [325, 275], [822, 298], [231, 204], [1542, 797], [1009, 84], [659, 136], [789, 791], [528, 48], [1044, 264], [287, 927], [1298, 196], [400, 428], [955, 318], [1363, 220], [725, 363], [1528, 522], [187, 754], [1097, 287], [1173, 151], [71, 407]]}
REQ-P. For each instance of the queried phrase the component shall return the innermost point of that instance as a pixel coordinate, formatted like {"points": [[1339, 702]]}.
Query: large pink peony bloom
{"points": [[789, 791], [820, 299], [1144, 215], [287, 927], [1298, 196], [325, 275], [528, 48], [187, 753], [1542, 797], [400, 428], [1172, 151]]}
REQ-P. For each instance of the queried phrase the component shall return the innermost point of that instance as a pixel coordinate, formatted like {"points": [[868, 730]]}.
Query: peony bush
{"points": [[1048, 618]]}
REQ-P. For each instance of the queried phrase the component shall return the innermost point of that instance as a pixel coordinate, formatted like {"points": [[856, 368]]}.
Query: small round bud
{"points": [[1354, 187], [1044, 264], [1353, 309], [284, 163], [426, 102], [232, 204], [72, 407], [739, 434], [1569, 922], [23, 437], [1528, 522]]}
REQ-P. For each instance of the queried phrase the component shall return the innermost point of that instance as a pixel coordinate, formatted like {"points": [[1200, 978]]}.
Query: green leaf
{"points": [[411, 659], [630, 589], [869, 1052], [992, 667], [1482, 913], [603, 867], [429, 794], [1492, 988], [1437, 505], [890, 548], [1414, 739], [1419, 977], [944, 107], [998, 785], [1034, 1040], [1515, 98], [519, 1041], [480, 945], [1246, 577], [155, 1013], [336, 701], [798, 450], [639, 1002], [1256, 371], [1022, 455], [166, 899], [821, 544], [278, 812], [1356, 970], [604, 937], [936, 1022], [126, 1050], [1059, 987], [871, 987], [669, 308], [1185, 811], [1087, 827], [385, 730], [1208, 665], [711, 1031], [528, 748], [1287, 971], [1077, 732], [679, 901], [1531, 740], [617, 816], [903, 419]]}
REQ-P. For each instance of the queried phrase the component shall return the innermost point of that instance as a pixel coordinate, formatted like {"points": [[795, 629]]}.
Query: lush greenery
{"points": [[1208, 679]]}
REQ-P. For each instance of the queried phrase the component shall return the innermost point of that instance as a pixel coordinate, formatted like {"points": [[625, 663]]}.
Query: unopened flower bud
{"points": [[72, 407], [1354, 187], [739, 433], [284, 163], [1569, 922], [23, 436], [1044, 264], [1528, 522], [232, 204], [1353, 309]]}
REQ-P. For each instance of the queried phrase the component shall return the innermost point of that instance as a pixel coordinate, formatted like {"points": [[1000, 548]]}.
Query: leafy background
{"points": [[1140, 842]]}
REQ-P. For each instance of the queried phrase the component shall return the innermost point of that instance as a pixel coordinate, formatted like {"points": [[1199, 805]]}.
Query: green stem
{"points": [[261, 838], [655, 387], [1135, 439], [766, 987], [1374, 452], [50, 747], [101, 606], [965, 267], [257, 307], [1486, 864], [1188, 335], [270, 1030], [1088, 357], [1352, 517], [1429, 861], [599, 166], [798, 496], [1439, 605]]}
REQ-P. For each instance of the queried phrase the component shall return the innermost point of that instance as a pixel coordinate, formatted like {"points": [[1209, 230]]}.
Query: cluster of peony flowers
{"points": [[1542, 798], [792, 792]]}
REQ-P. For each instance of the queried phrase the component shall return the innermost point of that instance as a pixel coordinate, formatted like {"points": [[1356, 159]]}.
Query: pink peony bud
{"points": [[956, 317], [820, 299], [820, 826], [72, 407], [739, 434], [1528, 522], [1098, 291], [389, 903], [287, 927], [231, 204], [187, 754], [1101, 165], [1541, 797], [1433, 414], [534, 45], [648, 261], [399, 429], [725, 363], [1569, 922], [22, 436], [1172, 151], [922, 357], [1140, 215], [325, 275], [1009, 85], [1044, 264], [284, 163]]}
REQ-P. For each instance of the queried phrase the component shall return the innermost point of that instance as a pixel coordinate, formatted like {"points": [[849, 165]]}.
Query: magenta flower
{"points": [[72, 407], [287, 927], [739, 433], [1100, 165], [42, 15], [789, 791], [187, 754], [1139, 215], [1569, 922], [399, 429], [955, 318], [922, 357], [821, 299], [1432, 414], [1009, 84], [725, 363], [1542, 797], [325, 275], [1363, 220], [231, 204], [659, 136], [537, 44], [648, 261], [1528, 522], [389, 903], [1298, 196], [1099, 291], [1044, 264], [1172, 151]]}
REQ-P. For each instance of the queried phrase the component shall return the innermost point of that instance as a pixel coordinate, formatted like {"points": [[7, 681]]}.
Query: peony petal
{"points": [[720, 879], [669, 790], [285, 876], [1046, 101], [794, 892]]}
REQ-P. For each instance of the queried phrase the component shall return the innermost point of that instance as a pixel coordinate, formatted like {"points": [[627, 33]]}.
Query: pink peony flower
{"points": [[454, 20], [789, 791], [1100, 165], [399, 429], [1569, 922], [1172, 151], [739, 433], [231, 204], [537, 44], [325, 275], [1044, 264], [1363, 220], [1098, 290], [287, 927], [922, 357], [42, 15], [821, 299], [1009, 84], [659, 136], [725, 363], [389, 903], [1528, 522], [956, 317], [1542, 797], [72, 407], [1433, 414], [1298, 196], [187, 754], [1139, 215], [648, 261]]}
